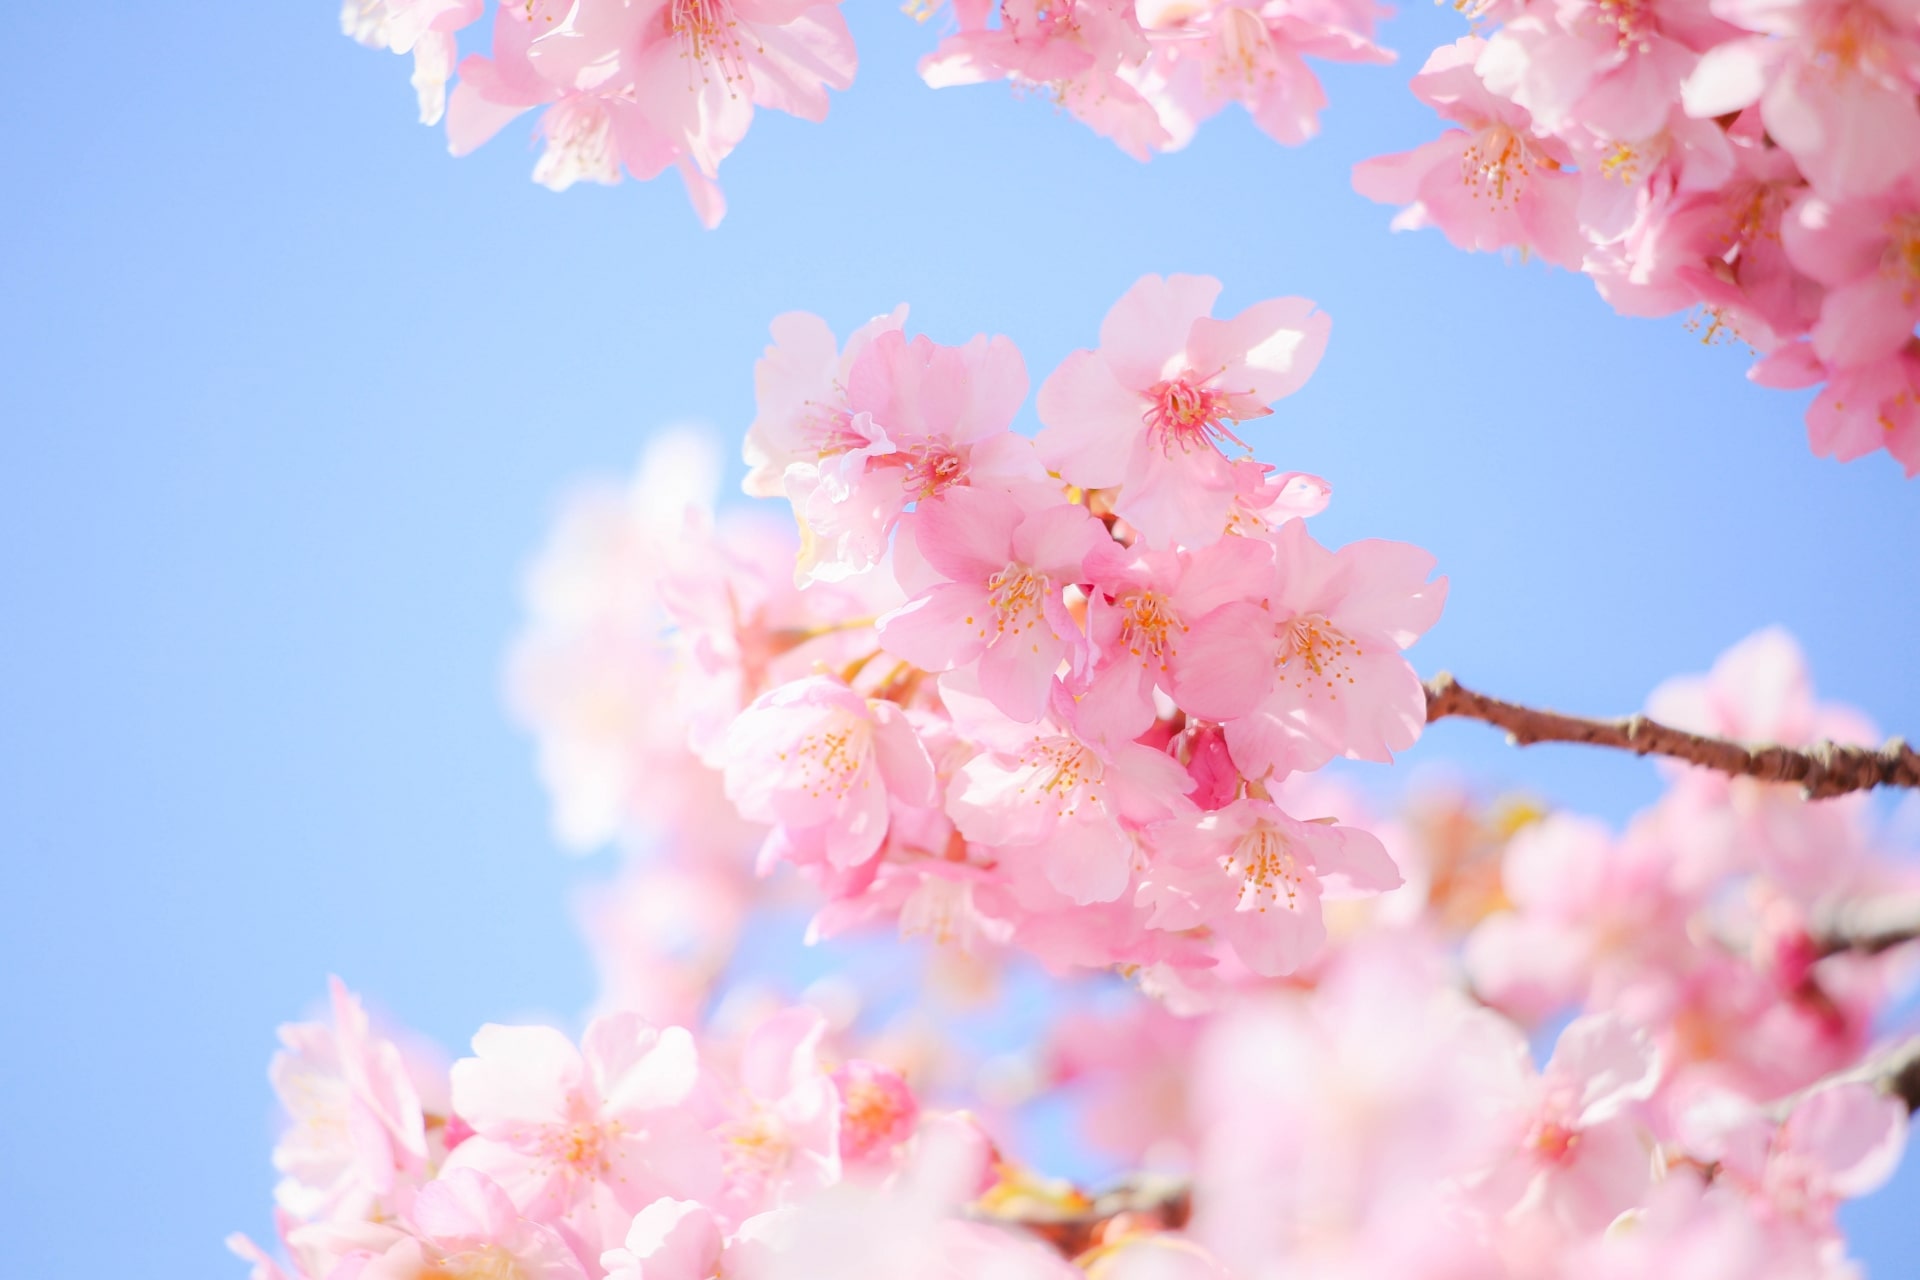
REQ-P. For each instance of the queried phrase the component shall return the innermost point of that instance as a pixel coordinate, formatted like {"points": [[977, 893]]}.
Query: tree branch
{"points": [[1825, 769], [1868, 925]]}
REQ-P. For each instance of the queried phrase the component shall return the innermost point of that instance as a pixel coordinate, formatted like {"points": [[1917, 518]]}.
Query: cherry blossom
{"points": [[822, 761], [999, 571], [1153, 410], [584, 1138]]}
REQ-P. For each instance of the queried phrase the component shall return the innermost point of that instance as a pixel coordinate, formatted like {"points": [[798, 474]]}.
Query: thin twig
{"points": [[1822, 770]]}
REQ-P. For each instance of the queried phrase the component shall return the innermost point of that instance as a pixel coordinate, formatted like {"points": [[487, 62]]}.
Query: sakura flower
{"points": [[358, 1134], [1153, 409], [465, 1228], [1588, 910], [682, 1240], [1000, 572], [584, 1138], [1567, 1147], [1834, 80], [1068, 793], [641, 86], [877, 1113], [1493, 184], [669, 1240], [424, 28], [1874, 406], [1612, 68], [800, 391], [822, 761], [1838, 1142], [783, 1135], [1143, 605], [1759, 691], [1207, 55], [921, 420], [1867, 252], [1256, 876], [1077, 49], [1314, 670]]}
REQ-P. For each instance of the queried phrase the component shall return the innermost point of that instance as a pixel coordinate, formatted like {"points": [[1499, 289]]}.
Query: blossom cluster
{"points": [[636, 1154], [1756, 162], [1147, 73], [1035, 691], [640, 86], [623, 86]]}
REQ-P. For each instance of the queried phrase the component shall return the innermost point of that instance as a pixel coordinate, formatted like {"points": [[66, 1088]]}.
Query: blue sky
{"points": [[288, 397]]}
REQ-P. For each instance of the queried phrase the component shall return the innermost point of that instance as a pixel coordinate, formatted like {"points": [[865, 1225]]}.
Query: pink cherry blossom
{"points": [[1256, 875], [1000, 572], [1839, 1141], [645, 85], [1495, 183], [1207, 55], [782, 1137], [1835, 83], [1567, 1146], [358, 1136], [464, 1225], [877, 1113], [424, 28], [920, 420], [584, 1138], [1153, 409], [823, 762], [1876, 406], [1313, 670], [1077, 49], [1068, 794], [1143, 605], [800, 389]]}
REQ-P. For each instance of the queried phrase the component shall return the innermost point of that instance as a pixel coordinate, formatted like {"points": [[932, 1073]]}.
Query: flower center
{"points": [[1063, 773], [581, 1149], [1553, 1142], [1496, 165], [830, 758], [1148, 627], [830, 432], [1188, 417], [933, 468], [709, 37], [1318, 655], [1902, 259], [488, 1262], [1015, 595], [1244, 48], [1634, 22], [1268, 873]]}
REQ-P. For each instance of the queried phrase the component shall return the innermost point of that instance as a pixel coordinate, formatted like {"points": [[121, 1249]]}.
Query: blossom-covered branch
{"points": [[1824, 769]]}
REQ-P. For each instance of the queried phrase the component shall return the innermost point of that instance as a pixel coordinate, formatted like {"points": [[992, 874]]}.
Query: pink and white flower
{"points": [[1153, 410]]}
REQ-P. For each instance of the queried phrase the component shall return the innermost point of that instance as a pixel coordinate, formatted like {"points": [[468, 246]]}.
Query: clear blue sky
{"points": [[287, 398]]}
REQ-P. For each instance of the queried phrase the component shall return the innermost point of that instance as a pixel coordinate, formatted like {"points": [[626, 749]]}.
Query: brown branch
{"points": [[1825, 769], [1144, 1201], [1894, 1072], [1868, 925]]}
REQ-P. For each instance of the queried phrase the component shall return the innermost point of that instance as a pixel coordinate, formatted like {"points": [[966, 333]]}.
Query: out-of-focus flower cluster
{"points": [[1701, 1102], [1756, 162], [637, 87]]}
